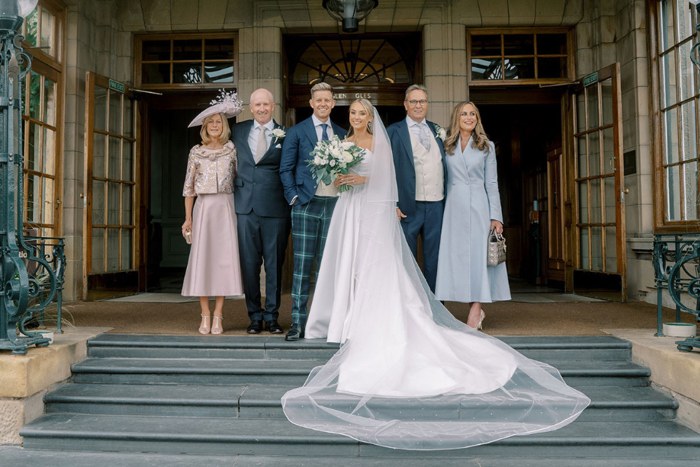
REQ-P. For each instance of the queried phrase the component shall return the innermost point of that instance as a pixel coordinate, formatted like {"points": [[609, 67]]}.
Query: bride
{"points": [[408, 375]]}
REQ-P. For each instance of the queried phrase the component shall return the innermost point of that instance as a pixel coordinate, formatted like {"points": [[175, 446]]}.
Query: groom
{"points": [[263, 214], [312, 202], [419, 160]]}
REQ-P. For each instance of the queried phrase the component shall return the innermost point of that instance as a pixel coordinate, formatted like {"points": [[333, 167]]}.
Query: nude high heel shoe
{"points": [[204, 327], [481, 320], [217, 328]]}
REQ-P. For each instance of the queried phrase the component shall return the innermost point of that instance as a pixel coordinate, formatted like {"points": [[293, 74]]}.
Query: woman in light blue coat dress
{"points": [[472, 210]]}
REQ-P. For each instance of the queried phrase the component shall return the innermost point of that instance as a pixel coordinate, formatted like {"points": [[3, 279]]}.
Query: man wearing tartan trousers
{"points": [[312, 202]]}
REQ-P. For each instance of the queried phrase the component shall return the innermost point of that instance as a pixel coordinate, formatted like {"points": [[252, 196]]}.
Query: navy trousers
{"points": [[426, 222], [262, 238]]}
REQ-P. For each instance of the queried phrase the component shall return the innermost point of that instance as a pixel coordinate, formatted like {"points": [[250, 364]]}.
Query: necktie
{"points": [[423, 136], [324, 135], [262, 144]]}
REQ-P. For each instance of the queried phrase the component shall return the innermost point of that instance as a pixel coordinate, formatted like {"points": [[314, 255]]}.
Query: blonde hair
{"points": [[479, 138], [369, 108], [225, 129], [321, 87]]}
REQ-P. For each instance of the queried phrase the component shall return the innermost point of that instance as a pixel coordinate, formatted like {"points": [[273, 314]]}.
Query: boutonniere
{"points": [[279, 134], [441, 133]]}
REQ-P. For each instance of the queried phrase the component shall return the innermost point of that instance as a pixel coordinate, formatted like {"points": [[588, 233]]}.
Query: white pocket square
{"points": [[278, 146]]}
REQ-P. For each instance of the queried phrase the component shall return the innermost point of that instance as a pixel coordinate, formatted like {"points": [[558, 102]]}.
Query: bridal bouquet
{"points": [[334, 157]]}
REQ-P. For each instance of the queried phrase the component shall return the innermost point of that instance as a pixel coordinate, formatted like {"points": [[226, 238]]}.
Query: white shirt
{"points": [[414, 126], [255, 133], [322, 189]]}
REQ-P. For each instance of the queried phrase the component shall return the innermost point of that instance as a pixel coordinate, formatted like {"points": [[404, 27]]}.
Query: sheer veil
{"points": [[408, 374]]}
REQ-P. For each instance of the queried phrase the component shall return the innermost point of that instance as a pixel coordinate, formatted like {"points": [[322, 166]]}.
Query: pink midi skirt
{"points": [[214, 267]]}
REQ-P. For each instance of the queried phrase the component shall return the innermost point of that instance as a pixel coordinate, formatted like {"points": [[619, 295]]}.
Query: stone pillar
{"points": [[260, 66], [444, 69]]}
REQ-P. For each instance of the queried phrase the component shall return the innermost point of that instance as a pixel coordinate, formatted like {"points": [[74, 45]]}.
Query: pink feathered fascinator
{"points": [[227, 103]]}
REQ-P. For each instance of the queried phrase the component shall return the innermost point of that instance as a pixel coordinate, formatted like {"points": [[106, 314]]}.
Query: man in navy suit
{"points": [[263, 213], [420, 175], [312, 202]]}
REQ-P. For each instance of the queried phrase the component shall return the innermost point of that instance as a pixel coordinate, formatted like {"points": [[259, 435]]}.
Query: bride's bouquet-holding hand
{"points": [[332, 158]]}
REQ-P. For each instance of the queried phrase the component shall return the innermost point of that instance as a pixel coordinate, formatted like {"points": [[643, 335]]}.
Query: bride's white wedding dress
{"points": [[408, 374]]}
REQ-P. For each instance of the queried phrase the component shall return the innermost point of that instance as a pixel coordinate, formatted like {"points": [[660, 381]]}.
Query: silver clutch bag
{"points": [[496, 250]]}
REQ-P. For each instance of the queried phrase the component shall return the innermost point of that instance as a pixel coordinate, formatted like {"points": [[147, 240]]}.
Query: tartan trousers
{"points": [[310, 224]]}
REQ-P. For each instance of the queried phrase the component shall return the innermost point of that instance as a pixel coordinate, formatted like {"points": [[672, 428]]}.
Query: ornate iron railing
{"points": [[31, 268], [677, 269]]}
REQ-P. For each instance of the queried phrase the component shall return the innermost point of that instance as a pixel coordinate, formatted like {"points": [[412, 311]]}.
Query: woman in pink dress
{"points": [[213, 268]]}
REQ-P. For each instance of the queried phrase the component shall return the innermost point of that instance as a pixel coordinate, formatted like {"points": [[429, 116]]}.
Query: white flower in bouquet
{"points": [[332, 157]]}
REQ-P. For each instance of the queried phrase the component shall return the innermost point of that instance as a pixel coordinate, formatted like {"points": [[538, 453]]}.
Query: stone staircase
{"points": [[162, 400]]}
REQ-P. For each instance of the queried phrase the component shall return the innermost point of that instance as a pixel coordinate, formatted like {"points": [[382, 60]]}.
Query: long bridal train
{"points": [[408, 374]]}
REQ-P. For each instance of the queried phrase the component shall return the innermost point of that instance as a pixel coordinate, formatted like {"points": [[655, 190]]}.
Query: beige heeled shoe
{"points": [[217, 328], [481, 320], [204, 327]]}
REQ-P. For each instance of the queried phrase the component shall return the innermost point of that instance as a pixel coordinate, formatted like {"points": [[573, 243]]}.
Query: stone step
{"points": [[16, 456], [275, 347], [263, 401], [228, 436]]}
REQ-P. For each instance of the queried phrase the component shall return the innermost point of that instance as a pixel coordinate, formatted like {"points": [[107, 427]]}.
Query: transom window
{"points": [[519, 56], [186, 60], [678, 105]]}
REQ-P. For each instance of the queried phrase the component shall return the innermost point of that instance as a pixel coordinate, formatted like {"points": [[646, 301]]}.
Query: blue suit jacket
{"points": [[257, 186], [295, 174], [404, 165]]}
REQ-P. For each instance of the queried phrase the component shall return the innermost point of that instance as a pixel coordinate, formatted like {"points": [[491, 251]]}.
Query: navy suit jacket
{"points": [[295, 174], [258, 187], [404, 165]]}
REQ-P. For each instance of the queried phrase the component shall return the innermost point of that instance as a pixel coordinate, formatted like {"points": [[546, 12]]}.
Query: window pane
{"points": [[668, 78], [610, 249], [32, 27], [486, 45], [98, 202], [115, 158], [519, 68], [113, 201], [597, 248], [686, 74], [689, 149], [100, 108], [99, 149], [49, 102], [47, 31], [584, 249], [218, 49], [190, 73], [582, 157], [583, 202], [607, 98], [48, 195], [684, 19], [596, 201], [519, 44], [486, 68], [98, 250], [673, 194], [671, 135], [218, 72], [49, 163], [33, 199], [551, 44], [608, 151], [551, 67], [187, 50], [112, 249], [666, 25], [33, 155], [156, 50], [690, 176], [35, 96], [592, 106], [127, 205], [126, 249], [580, 113], [609, 203], [128, 117], [593, 154], [128, 161], [155, 73], [115, 112]]}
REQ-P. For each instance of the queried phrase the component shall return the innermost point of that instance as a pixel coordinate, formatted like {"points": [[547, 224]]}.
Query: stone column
{"points": [[260, 66], [444, 69]]}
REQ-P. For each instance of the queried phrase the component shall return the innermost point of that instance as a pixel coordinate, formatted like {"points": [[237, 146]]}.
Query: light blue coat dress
{"points": [[472, 201]]}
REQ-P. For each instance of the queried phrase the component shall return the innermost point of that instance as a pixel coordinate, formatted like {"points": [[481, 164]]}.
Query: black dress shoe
{"points": [[273, 326], [295, 333], [255, 327]]}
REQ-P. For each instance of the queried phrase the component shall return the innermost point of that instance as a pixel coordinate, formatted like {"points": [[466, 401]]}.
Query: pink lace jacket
{"points": [[210, 171]]}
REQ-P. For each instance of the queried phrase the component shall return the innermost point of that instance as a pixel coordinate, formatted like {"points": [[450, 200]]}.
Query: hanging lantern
{"points": [[349, 12]]}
